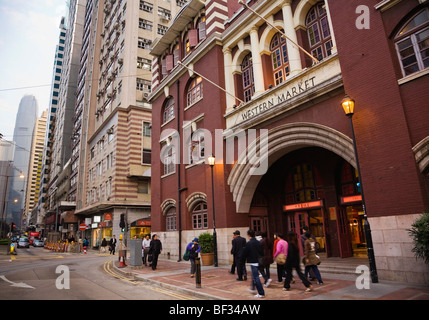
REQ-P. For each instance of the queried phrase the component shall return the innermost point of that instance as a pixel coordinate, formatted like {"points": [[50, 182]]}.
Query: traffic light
{"points": [[122, 222]]}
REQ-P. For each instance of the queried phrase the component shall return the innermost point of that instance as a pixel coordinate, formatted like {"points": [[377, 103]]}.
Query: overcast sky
{"points": [[29, 32]]}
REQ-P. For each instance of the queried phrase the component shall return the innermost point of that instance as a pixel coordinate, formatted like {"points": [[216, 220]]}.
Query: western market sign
{"points": [[311, 82]]}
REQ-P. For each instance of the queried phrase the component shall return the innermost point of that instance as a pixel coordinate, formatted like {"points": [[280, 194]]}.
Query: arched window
{"points": [[168, 112], [247, 75], [303, 183], [412, 43], [319, 34], [279, 58], [170, 219], [200, 217], [195, 91]]}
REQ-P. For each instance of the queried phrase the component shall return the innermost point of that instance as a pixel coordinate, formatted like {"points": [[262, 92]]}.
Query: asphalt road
{"points": [[39, 274]]}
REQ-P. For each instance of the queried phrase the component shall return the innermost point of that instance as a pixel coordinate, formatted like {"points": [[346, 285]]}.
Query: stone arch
{"points": [[166, 205], [238, 57], [267, 35], [194, 199], [421, 153], [281, 141], [301, 12]]}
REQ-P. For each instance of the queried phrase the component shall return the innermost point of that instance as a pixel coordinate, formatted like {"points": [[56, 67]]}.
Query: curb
{"points": [[201, 295]]}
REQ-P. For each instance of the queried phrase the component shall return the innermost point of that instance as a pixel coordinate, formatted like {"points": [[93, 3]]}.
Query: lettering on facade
{"points": [[284, 96]]}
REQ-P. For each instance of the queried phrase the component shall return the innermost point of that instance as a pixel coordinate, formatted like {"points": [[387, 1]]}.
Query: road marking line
{"points": [[19, 285], [163, 291]]}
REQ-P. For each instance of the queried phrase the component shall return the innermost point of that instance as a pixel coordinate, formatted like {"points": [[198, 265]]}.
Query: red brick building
{"points": [[283, 146]]}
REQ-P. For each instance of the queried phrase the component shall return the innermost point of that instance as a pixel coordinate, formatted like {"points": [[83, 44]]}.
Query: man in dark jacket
{"points": [[238, 244], [251, 252]]}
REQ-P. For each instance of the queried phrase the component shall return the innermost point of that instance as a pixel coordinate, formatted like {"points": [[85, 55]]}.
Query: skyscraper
{"points": [[23, 138]]}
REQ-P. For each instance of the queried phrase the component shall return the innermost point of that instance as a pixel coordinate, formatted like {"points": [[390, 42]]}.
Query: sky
{"points": [[29, 33]]}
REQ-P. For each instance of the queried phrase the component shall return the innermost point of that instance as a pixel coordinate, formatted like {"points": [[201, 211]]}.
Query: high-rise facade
{"points": [[35, 169], [115, 146], [43, 203], [23, 138]]}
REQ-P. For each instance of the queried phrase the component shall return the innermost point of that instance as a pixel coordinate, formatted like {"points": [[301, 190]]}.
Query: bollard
{"points": [[197, 273]]}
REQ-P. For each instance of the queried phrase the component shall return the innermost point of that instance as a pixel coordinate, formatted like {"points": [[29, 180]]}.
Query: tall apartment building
{"points": [[115, 154], [50, 125], [35, 169], [61, 135]]}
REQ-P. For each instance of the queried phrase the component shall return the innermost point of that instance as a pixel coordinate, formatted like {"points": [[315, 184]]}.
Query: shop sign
{"points": [[97, 218], [94, 225], [351, 199], [143, 223], [304, 205], [107, 217], [104, 224]]}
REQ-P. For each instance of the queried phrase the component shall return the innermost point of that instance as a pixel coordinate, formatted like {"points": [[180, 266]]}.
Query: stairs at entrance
{"points": [[338, 265]]}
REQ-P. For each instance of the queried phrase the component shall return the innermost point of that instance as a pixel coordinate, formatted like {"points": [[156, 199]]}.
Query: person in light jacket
{"points": [[311, 260]]}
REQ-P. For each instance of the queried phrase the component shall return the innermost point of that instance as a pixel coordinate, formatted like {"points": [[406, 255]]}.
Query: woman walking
{"points": [[311, 260], [193, 248], [292, 262], [280, 255]]}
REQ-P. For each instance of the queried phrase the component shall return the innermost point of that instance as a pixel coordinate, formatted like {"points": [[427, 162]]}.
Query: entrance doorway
{"points": [[356, 229], [314, 220]]}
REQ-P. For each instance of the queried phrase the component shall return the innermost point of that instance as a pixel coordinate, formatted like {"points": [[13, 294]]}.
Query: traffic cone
{"points": [[122, 261]]}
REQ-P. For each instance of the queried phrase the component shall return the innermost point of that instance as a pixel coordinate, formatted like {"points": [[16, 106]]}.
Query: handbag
{"points": [[186, 255], [281, 259]]}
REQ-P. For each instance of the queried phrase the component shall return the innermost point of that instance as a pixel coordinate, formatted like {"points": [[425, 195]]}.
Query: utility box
{"points": [[135, 250]]}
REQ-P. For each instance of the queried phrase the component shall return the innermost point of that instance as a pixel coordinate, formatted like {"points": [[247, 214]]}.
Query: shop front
{"points": [[140, 228]]}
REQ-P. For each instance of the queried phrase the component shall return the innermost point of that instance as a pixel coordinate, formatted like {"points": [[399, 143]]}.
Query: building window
{"points": [[169, 159], [196, 143], [279, 58], [412, 43], [170, 219], [143, 187], [200, 217], [143, 63], [201, 28], [146, 6], [162, 29], [145, 24], [168, 113], [143, 85], [303, 185], [146, 156], [319, 34], [248, 79], [144, 43], [195, 91], [350, 184], [147, 129]]}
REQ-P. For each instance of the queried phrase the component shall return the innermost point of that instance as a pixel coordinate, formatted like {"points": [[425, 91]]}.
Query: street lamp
{"points": [[348, 105], [212, 160]]}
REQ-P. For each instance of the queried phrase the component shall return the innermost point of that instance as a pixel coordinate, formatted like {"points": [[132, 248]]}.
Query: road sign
{"points": [[82, 226]]}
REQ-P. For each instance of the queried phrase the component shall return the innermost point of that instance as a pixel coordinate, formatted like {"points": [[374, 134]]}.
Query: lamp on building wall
{"points": [[211, 161], [348, 105]]}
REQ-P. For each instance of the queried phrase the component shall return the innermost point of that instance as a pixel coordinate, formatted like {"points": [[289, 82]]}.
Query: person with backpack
{"points": [[311, 260], [193, 248]]}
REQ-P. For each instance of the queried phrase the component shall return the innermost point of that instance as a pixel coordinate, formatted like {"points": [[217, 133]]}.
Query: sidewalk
{"points": [[218, 284]]}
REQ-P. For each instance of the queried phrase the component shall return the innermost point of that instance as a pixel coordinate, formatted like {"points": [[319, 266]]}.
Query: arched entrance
{"points": [[311, 181]]}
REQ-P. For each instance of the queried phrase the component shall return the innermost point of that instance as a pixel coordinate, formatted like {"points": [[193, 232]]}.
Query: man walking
{"points": [[251, 252], [145, 248], [112, 245], [238, 244]]}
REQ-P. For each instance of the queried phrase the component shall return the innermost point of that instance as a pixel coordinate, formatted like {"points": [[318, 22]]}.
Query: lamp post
{"points": [[348, 105], [211, 160]]}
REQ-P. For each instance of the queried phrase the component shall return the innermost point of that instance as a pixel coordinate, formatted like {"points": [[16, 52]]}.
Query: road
{"points": [[39, 274]]}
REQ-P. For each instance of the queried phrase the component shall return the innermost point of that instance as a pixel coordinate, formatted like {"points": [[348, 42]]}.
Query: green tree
{"points": [[420, 235]]}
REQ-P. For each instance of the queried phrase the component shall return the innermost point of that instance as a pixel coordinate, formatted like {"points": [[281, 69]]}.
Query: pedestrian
{"points": [[267, 246], [311, 260], [292, 262], [251, 252], [306, 230], [103, 245], [194, 248], [112, 245], [145, 248], [280, 255], [238, 244], [155, 249]]}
